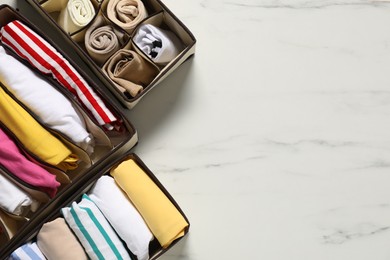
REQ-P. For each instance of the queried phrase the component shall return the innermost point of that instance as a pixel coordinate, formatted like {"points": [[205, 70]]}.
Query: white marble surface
{"points": [[275, 138]]}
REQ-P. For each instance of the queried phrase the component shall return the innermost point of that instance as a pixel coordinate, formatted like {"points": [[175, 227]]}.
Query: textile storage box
{"points": [[130, 45], [156, 224], [61, 142], [29, 59]]}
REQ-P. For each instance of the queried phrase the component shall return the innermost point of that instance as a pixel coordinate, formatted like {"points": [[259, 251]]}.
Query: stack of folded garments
{"points": [[40, 54], [129, 207]]}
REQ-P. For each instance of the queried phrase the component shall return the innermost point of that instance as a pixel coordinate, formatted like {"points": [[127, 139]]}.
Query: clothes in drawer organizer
{"points": [[50, 136], [130, 44], [123, 214]]}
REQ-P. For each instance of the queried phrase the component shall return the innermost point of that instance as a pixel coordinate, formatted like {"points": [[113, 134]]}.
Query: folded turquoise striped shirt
{"points": [[93, 230]]}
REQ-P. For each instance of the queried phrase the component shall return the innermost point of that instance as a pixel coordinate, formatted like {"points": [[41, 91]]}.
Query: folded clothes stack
{"points": [[126, 207], [48, 126]]}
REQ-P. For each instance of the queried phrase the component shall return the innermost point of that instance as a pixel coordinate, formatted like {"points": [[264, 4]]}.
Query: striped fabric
{"points": [[29, 251], [31, 47], [93, 231]]}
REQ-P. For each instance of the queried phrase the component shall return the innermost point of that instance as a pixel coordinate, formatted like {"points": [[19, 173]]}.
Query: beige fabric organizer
{"points": [[158, 15]]}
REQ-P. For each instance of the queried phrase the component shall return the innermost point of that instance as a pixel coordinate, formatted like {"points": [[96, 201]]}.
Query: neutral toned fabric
{"points": [[160, 45], [33, 136], [56, 241], [13, 199], [18, 165], [162, 217], [102, 40], [127, 14], [76, 15], [44, 100], [123, 217], [30, 46], [28, 251], [93, 231], [129, 71]]}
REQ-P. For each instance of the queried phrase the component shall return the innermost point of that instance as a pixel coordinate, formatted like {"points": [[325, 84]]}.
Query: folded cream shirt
{"points": [[52, 107], [56, 241], [76, 15]]}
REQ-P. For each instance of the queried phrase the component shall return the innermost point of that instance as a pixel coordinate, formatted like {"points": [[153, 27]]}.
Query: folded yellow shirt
{"points": [[33, 136], [161, 216]]}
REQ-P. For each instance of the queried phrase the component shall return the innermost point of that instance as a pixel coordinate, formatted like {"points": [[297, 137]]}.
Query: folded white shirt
{"points": [[160, 45], [93, 231], [122, 215], [13, 199], [51, 106]]}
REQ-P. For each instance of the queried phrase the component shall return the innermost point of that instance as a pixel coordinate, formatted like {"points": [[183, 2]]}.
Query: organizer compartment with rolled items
{"points": [[123, 212], [131, 45], [56, 127]]}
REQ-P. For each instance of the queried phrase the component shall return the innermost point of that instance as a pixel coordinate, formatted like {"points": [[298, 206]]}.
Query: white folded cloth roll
{"points": [[14, 200], [122, 215], [160, 45], [93, 231], [29, 251], [76, 15], [52, 107]]}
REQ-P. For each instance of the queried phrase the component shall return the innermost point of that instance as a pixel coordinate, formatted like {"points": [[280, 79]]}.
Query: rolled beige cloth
{"points": [[130, 71], [76, 15], [56, 241], [102, 40], [127, 14]]}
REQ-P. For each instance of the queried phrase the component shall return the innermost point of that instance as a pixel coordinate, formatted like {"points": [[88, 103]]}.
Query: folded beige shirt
{"points": [[56, 241], [129, 71]]}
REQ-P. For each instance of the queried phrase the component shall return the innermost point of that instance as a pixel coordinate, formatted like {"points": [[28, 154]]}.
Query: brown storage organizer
{"points": [[110, 144], [112, 147], [158, 15], [53, 212]]}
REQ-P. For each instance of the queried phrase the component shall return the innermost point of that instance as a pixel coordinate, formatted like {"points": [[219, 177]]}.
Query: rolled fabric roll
{"points": [[162, 217], [57, 111], [33, 136], [14, 200], [127, 14], [122, 216], [33, 48], [29, 251], [18, 165], [56, 241], [160, 45], [130, 71], [102, 40], [76, 15], [93, 231]]}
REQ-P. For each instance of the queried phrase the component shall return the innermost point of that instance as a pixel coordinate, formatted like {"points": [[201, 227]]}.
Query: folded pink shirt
{"points": [[18, 165]]}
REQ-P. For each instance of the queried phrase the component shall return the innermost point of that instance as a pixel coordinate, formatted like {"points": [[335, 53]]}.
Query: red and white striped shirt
{"points": [[31, 47]]}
